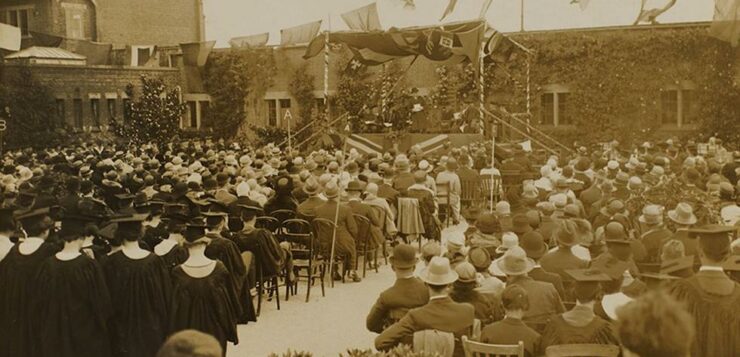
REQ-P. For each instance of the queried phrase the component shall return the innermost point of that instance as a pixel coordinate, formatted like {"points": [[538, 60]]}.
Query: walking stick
{"points": [[336, 219]]}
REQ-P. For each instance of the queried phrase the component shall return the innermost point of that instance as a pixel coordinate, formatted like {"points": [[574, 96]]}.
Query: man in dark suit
{"points": [[563, 258], [308, 207], [512, 329], [711, 296], [654, 233], [441, 313], [535, 247], [385, 188], [354, 190], [407, 293], [346, 230]]}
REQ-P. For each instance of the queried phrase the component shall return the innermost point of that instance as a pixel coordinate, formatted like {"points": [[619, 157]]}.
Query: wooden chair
{"points": [[443, 201], [582, 350], [323, 230], [491, 183], [470, 192], [363, 244], [479, 349], [269, 223], [282, 215], [306, 256], [266, 282], [511, 180], [381, 213]]}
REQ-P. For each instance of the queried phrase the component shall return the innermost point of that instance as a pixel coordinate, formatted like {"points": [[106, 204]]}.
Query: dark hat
{"points": [[614, 233], [614, 268], [354, 186], [403, 256], [129, 224], [488, 223], [195, 229], [214, 218], [7, 221], [533, 244], [74, 225], [480, 258], [174, 208], [587, 282], [520, 224], [676, 265], [124, 196], [515, 297], [32, 216], [713, 238]]}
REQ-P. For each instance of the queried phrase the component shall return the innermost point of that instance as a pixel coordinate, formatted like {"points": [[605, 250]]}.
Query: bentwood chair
{"points": [[323, 230], [363, 241], [384, 229], [582, 350], [479, 349], [443, 201], [306, 257], [281, 215], [269, 223]]}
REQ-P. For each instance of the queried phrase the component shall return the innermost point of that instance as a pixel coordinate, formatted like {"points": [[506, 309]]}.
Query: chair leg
{"points": [[364, 263], [375, 259], [276, 286], [287, 285], [260, 291], [322, 277]]}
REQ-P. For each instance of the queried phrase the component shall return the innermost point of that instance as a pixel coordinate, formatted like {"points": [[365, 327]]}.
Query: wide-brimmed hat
{"points": [[508, 240], [466, 272], [311, 186], [613, 207], [520, 224], [331, 190], [403, 256], [488, 223], [651, 214], [614, 233], [515, 262], [438, 272], [479, 257], [425, 166], [533, 244], [402, 163], [354, 186], [565, 233], [683, 214]]}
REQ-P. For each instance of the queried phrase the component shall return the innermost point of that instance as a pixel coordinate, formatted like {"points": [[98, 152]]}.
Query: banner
{"points": [[499, 48], [251, 41], [726, 22], [10, 37], [196, 53], [96, 53], [299, 34], [363, 19]]}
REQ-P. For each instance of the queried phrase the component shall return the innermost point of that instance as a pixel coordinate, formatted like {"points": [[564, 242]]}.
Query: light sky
{"points": [[231, 18]]}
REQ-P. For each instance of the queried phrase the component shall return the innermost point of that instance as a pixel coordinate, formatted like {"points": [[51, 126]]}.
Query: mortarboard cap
{"points": [[587, 282], [676, 265], [714, 239]]}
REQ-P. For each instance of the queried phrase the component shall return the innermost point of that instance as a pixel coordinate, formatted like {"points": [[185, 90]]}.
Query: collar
{"points": [[580, 315], [438, 297], [711, 268]]}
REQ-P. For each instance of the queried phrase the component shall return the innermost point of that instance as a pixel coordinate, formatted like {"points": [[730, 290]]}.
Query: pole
{"points": [[481, 82], [336, 218], [493, 158], [290, 139], [521, 15], [326, 73]]}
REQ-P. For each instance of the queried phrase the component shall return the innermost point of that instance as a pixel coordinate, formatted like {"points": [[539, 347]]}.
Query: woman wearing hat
{"points": [[135, 274], [71, 305], [204, 296]]}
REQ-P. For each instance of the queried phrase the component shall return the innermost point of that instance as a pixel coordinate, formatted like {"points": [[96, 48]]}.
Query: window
{"points": [[18, 18], [143, 55], [271, 112], [74, 19], [126, 109], [553, 105], [204, 106], [95, 111], [678, 106], [78, 113], [61, 111], [111, 109], [192, 114]]}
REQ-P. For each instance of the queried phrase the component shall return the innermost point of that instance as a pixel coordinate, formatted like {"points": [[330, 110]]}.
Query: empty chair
{"points": [[443, 201], [306, 255], [364, 244]]}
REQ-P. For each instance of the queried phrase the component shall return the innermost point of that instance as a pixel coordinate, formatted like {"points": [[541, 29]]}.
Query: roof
{"points": [[45, 53]]}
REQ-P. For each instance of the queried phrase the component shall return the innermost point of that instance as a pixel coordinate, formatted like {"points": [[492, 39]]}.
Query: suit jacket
{"points": [[363, 209], [561, 260], [544, 300], [402, 181], [387, 192], [309, 206], [394, 303], [653, 241], [509, 332], [439, 314], [346, 225], [540, 274]]}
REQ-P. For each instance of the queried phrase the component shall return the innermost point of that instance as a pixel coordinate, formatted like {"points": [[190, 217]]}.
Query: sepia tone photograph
{"points": [[369, 178]]}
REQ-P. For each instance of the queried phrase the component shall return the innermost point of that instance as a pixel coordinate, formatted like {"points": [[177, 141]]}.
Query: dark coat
{"points": [[509, 332], [540, 274], [394, 303], [308, 207]]}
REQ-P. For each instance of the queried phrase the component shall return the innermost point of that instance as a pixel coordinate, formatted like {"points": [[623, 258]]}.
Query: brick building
{"points": [[673, 103], [117, 41]]}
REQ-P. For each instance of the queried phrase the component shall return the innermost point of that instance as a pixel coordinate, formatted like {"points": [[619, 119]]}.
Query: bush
{"points": [[398, 351]]}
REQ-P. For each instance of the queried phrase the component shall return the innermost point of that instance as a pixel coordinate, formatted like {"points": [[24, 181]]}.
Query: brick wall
{"points": [[149, 22], [69, 83]]}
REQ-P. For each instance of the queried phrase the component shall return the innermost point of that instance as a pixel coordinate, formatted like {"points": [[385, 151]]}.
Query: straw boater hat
{"points": [[438, 272], [683, 214]]}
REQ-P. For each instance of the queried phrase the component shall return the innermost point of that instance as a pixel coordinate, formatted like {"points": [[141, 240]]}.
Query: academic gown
{"points": [[176, 256], [713, 300], [17, 272], [559, 331], [227, 251], [141, 292], [208, 304], [71, 309]]}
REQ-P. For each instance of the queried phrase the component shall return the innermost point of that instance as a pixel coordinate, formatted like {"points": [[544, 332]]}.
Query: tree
{"points": [[154, 116], [31, 118]]}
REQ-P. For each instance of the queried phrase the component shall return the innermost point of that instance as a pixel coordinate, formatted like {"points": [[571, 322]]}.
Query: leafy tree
{"points": [[154, 116], [31, 118]]}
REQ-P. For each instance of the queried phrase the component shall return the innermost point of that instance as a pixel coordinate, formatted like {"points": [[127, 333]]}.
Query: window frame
{"points": [[78, 111], [272, 112], [681, 88], [18, 9], [556, 90]]}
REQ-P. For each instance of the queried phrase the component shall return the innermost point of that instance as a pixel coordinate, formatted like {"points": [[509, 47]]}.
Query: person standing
{"points": [[711, 296], [449, 177], [140, 288]]}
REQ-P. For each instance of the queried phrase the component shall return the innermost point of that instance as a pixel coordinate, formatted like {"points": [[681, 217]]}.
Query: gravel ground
{"points": [[325, 326]]}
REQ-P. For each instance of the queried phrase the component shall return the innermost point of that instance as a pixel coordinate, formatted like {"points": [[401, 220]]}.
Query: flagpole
{"points": [[521, 15], [481, 79]]}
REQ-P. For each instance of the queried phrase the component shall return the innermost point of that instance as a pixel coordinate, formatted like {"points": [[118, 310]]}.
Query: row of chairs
{"points": [[478, 349]]}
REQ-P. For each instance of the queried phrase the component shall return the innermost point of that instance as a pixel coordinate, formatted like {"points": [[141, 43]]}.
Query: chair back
{"points": [[381, 214], [434, 342], [491, 183], [443, 193], [299, 234], [283, 214], [323, 230], [267, 222], [363, 230], [582, 350], [470, 190], [479, 349]]}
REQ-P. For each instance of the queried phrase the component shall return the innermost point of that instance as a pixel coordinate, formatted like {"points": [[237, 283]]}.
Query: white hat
{"points": [[612, 165], [242, 189]]}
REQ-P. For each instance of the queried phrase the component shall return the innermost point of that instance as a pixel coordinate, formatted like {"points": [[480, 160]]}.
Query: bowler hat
{"points": [[487, 223], [520, 224], [533, 244], [480, 258], [438, 272]]}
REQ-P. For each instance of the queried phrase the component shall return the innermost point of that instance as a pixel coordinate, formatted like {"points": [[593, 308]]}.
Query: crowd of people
{"points": [[106, 249]]}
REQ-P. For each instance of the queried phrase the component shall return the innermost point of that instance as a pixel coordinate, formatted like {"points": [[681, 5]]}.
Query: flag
{"points": [[299, 34], [41, 40], [258, 40], [499, 48], [581, 3], [196, 53], [363, 19], [450, 8], [726, 22], [10, 37], [470, 42]]}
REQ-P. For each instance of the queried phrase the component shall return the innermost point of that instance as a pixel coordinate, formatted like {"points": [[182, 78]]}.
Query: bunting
{"points": [[196, 53], [499, 48], [258, 40], [726, 22], [10, 37], [449, 9], [299, 34], [363, 19]]}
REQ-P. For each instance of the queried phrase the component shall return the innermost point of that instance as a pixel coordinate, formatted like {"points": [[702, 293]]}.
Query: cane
{"points": [[336, 219]]}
